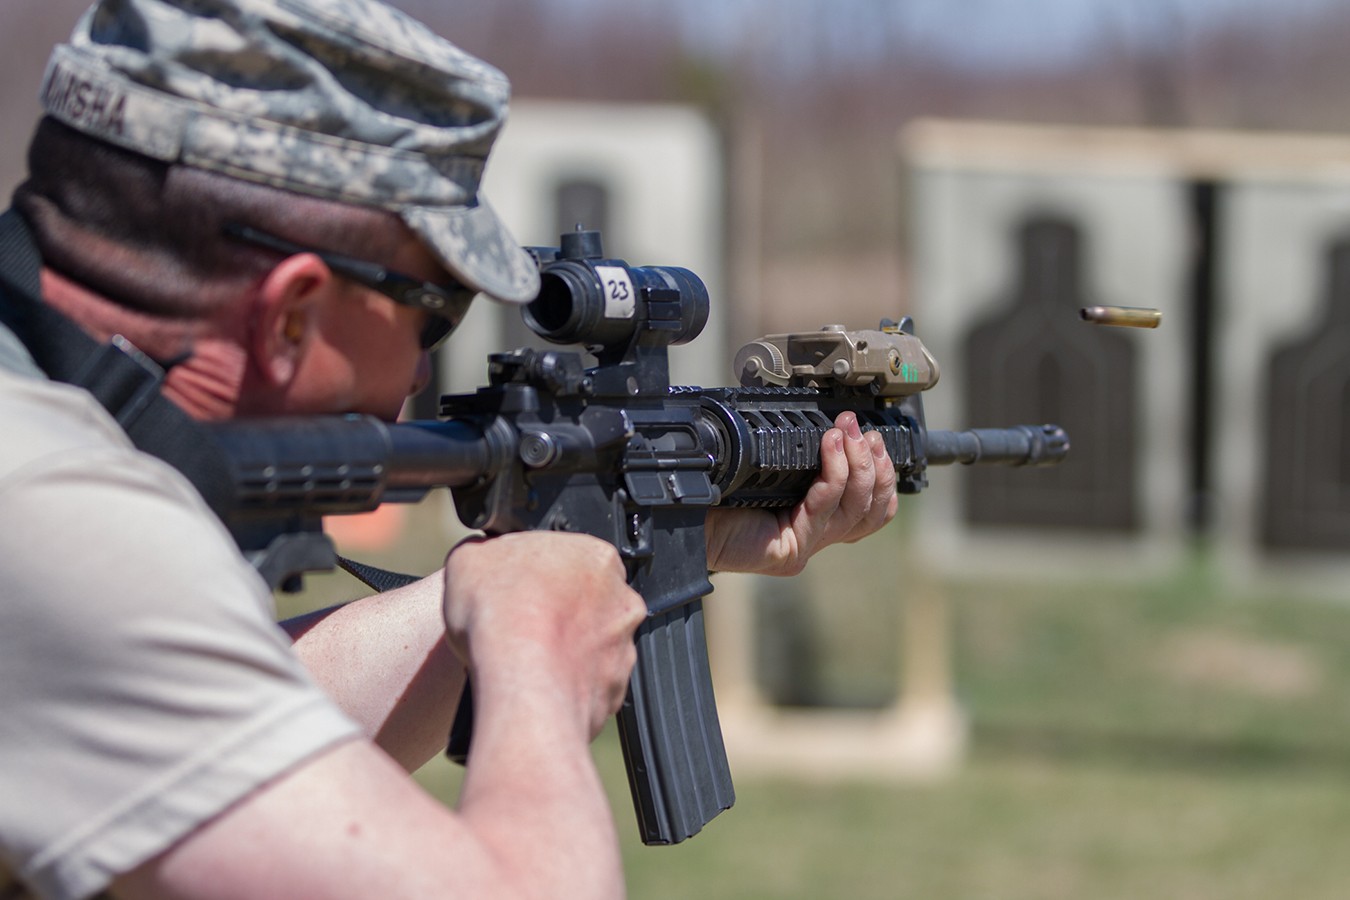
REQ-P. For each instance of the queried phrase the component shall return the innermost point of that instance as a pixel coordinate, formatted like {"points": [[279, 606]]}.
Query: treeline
{"points": [[823, 87], [826, 86]]}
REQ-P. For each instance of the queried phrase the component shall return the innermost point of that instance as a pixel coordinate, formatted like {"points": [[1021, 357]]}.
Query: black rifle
{"points": [[613, 450]]}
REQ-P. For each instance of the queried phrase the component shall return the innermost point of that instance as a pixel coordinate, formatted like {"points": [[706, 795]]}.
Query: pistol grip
{"points": [[461, 730]]}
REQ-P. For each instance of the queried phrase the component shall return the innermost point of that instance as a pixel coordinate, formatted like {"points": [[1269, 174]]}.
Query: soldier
{"points": [[277, 201]]}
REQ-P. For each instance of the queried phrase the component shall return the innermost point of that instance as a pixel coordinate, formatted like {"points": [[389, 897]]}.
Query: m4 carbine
{"points": [[613, 450]]}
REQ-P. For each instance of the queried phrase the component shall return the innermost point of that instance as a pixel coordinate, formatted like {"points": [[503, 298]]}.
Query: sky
{"points": [[1027, 31], [974, 33], [981, 33]]}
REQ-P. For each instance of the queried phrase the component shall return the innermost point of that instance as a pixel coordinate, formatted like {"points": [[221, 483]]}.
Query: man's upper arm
{"points": [[376, 835], [144, 685]]}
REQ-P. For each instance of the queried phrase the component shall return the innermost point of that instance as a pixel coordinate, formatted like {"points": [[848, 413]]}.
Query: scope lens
{"points": [[553, 313]]}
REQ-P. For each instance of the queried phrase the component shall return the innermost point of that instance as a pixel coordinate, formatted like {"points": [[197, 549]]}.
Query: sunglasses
{"points": [[445, 305]]}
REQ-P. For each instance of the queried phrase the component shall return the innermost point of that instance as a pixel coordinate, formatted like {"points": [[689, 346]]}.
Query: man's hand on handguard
{"points": [[544, 612], [853, 497]]}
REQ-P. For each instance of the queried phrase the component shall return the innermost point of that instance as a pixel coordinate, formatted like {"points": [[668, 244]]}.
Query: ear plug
{"points": [[294, 329]]}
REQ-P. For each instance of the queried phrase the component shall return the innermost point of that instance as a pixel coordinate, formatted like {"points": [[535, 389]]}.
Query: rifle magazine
{"points": [[668, 727]]}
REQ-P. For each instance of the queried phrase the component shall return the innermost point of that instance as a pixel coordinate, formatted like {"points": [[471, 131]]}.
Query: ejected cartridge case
{"points": [[1122, 316]]}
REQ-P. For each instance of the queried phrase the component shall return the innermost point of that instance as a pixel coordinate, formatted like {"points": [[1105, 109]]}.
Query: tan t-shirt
{"points": [[144, 686]]}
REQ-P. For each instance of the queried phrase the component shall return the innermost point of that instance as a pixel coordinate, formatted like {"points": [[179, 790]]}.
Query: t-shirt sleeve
{"points": [[144, 687]]}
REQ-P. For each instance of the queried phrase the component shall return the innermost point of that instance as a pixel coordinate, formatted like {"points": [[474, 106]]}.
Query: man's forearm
{"points": [[385, 661], [531, 781]]}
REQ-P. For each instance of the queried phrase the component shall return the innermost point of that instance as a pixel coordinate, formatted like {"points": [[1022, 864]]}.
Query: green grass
{"points": [[1163, 740], [1166, 739], [1019, 827], [1013, 824]]}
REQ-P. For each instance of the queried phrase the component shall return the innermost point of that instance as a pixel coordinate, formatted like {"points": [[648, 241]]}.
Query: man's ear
{"points": [[285, 315]]}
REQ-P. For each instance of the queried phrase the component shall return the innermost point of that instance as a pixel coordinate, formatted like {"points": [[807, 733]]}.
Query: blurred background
{"points": [[1123, 677]]}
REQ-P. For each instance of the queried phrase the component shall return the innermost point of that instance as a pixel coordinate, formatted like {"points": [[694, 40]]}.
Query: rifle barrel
{"points": [[1021, 445]]}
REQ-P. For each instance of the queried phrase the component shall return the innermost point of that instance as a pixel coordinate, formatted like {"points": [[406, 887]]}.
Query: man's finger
{"points": [[884, 502], [815, 515], [856, 501]]}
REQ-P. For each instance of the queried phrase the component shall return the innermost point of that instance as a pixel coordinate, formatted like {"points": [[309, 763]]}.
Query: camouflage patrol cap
{"points": [[347, 100]]}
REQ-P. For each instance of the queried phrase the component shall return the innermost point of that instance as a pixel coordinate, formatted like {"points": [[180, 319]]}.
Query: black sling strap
{"points": [[373, 577], [123, 380]]}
